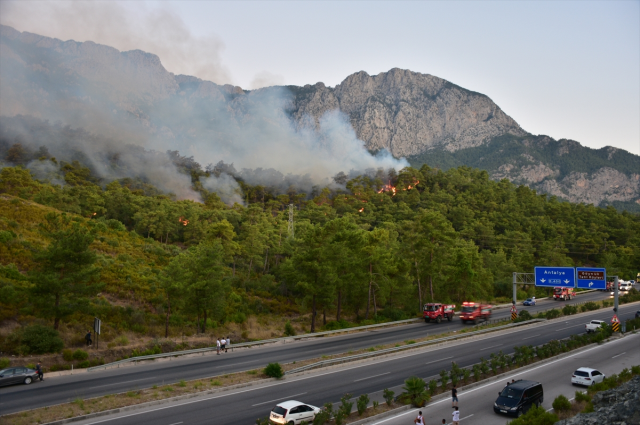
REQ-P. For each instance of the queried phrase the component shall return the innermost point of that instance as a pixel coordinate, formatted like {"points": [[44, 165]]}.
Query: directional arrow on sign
{"points": [[567, 281], [590, 284], [542, 280]]}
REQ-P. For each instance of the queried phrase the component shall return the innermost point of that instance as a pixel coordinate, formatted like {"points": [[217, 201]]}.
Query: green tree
{"points": [[65, 277]]}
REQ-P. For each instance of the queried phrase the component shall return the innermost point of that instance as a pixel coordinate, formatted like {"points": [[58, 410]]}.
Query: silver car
{"points": [[17, 375]]}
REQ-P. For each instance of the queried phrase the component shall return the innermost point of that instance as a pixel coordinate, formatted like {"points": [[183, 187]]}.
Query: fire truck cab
{"points": [[564, 294], [474, 312], [437, 312]]}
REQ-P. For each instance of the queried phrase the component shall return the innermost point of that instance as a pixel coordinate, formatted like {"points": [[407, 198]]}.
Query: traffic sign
{"points": [[564, 277], [591, 278]]}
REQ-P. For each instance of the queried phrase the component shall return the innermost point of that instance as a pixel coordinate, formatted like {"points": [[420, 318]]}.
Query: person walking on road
{"points": [[218, 346], [419, 420], [39, 371], [228, 344], [456, 416], [454, 396], [87, 338]]}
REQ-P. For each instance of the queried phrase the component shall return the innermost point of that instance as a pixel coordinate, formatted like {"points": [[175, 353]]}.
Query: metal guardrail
{"points": [[249, 344], [405, 347]]}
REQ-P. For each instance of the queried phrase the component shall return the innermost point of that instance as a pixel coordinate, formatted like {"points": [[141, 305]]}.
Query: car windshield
{"points": [[558, 290], [431, 307], [511, 392], [279, 410], [468, 309], [529, 300], [580, 373]]}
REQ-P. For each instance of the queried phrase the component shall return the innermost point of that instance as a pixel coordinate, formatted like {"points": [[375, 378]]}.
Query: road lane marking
{"points": [[466, 417], [126, 382], [495, 382], [177, 423], [569, 327], [277, 399], [493, 346], [618, 355], [435, 361], [531, 337], [374, 376]]}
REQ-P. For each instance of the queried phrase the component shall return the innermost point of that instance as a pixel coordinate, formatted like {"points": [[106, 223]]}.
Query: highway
{"points": [[243, 406], [476, 405], [92, 384]]}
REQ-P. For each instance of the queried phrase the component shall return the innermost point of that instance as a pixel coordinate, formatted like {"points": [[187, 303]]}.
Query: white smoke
{"points": [[226, 187]]}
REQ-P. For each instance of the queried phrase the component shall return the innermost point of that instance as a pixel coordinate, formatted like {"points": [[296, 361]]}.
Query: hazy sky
{"points": [[566, 69]]}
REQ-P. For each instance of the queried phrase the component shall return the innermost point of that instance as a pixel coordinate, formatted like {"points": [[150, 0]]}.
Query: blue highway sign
{"points": [[564, 277], [590, 278]]}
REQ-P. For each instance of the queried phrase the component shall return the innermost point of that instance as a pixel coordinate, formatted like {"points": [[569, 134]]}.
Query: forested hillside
{"points": [[149, 264]]}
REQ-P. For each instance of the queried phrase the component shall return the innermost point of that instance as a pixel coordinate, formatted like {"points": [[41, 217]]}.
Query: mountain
{"points": [[130, 96]]}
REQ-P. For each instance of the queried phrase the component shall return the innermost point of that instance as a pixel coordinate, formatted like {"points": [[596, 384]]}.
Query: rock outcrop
{"points": [[620, 406]]}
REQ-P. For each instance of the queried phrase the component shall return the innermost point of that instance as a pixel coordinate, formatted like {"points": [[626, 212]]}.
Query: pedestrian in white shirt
{"points": [[218, 346], [228, 344], [456, 416], [223, 344]]}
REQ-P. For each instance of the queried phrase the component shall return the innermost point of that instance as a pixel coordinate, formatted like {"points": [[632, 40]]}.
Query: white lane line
{"points": [[466, 417], [531, 337], [374, 376], [493, 346], [126, 382], [618, 355], [436, 361], [493, 383], [277, 399], [569, 327], [177, 423]]}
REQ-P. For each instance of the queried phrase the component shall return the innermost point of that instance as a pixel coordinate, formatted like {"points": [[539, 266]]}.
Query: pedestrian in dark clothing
{"points": [[87, 337], [39, 371], [454, 396]]}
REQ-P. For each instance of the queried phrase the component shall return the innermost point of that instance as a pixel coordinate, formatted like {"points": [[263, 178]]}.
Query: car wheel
{"points": [[438, 319], [450, 317], [290, 423], [519, 413], [28, 380], [593, 383], [426, 320]]}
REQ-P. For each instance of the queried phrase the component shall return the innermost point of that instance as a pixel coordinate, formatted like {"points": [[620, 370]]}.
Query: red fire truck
{"points": [[564, 294], [474, 312], [438, 312]]}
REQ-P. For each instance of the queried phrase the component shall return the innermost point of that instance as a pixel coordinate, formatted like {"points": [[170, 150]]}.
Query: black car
{"points": [[17, 375], [517, 398], [637, 314]]}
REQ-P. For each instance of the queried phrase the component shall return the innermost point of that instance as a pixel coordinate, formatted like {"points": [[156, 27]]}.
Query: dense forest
{"points": [[376, 249]]}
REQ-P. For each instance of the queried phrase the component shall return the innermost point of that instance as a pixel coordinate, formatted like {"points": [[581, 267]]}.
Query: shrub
{"points": [[537, 416], [362, 403], [324, 415], [339, 417], [375, 404], [67, 354], [591, 306], [568, 310], [524, 315], [345, 405], [477, 372], [552, 314], [38, 339], [444, 379], [288, 329], [433, 387], [466, 374], [414, 389], [80, 355], [561, 403], [274, 370], [580, 396], [83, 364], [4, 363], [388, 396]]}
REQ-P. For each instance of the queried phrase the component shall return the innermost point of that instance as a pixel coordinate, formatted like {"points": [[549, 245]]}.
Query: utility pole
{"points": [[290, 226]]}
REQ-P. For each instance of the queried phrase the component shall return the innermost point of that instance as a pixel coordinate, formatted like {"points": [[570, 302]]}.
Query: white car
{"points": [[626, 286], [586, 376], [293, 412], [594, 325]]}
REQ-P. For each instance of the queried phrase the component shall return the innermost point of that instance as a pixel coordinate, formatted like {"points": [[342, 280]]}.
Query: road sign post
{"points": [[615, 323], [591, 278], [564, 277], [514, 312], [96, 328]]}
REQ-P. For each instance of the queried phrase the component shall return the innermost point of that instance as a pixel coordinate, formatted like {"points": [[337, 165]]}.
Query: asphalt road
{"points": [[476, 405], [243, 406], [92, 384]]}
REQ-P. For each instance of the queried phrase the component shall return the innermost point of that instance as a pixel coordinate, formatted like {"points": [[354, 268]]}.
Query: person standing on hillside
{"points": [[87, 338]]}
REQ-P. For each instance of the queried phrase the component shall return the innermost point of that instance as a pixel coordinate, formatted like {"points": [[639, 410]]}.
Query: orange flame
{"points": [[183, 220], [361, 209]]}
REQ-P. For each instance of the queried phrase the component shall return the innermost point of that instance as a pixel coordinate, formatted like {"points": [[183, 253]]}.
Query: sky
{"points": [[566, 69]]}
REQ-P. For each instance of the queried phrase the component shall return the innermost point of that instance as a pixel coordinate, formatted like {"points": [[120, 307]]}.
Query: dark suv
{"points": [[518, 397]]}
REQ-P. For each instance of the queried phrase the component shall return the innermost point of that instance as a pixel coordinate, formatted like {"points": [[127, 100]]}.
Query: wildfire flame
{"points": [[183, 220], [361, 209]]}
